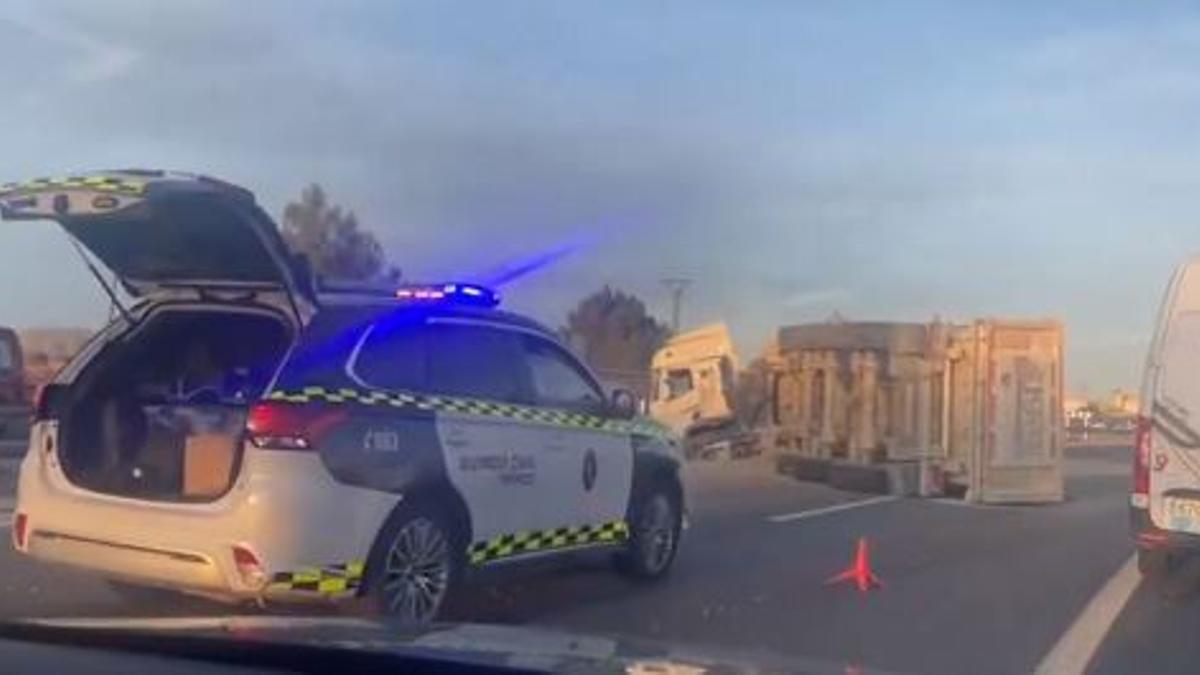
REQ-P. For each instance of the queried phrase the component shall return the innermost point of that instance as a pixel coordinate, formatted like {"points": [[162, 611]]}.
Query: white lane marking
{"points": [[1078, 645], [812, 513]]}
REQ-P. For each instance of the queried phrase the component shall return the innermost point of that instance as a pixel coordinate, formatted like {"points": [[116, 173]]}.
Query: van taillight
{"points": [[1141, 456], [286, 426]]}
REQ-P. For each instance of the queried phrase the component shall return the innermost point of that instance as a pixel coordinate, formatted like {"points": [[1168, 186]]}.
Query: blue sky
{"points": [[884, 160]]}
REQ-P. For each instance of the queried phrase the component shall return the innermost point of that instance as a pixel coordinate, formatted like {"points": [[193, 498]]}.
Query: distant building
{"points": [[1120, 402], [1073, 404]]}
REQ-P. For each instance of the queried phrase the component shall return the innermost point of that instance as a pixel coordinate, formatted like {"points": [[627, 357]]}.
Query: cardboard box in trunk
{"points": [[208, 463]]}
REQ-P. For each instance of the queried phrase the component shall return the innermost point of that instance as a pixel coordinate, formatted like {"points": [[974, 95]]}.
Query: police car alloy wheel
{"points": [[416, 573], [415, 569], [656, 532], [655, 537]]}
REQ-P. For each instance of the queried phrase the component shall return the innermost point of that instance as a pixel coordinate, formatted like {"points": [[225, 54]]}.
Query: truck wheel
{"points": [[654, 535], [415, 566]]}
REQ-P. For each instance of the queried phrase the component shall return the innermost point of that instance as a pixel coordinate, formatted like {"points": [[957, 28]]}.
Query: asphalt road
{"points": [[967, 589]]}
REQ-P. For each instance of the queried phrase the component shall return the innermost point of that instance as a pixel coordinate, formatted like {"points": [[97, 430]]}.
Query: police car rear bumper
{"points": [[306, 533], [127, 561], [178, 570]]}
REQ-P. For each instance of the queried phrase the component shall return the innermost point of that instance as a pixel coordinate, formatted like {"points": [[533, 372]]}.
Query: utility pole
{"points": [[676, 287]]}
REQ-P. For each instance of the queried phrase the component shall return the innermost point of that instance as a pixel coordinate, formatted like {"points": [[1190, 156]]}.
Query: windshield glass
{"points": [[819, 332]]}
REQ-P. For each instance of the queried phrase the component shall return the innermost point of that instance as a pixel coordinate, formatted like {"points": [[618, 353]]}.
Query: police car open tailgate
{"points": [[158, 230]]}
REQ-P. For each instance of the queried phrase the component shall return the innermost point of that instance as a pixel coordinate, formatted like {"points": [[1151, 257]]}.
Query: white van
{"points": [[1165, 500]]}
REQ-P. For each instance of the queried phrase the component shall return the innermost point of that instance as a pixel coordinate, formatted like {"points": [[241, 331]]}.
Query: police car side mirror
{"points": [[623, 404]]}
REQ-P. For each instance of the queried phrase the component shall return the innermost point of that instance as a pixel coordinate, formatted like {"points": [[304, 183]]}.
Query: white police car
{"points": [[235, 433]]}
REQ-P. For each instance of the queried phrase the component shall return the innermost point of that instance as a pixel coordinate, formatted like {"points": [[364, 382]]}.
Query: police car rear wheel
{"points": [[415, 569], [654, 537]]}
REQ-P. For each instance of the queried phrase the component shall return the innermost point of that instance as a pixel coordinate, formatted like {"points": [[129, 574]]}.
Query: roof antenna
{"points": [[112, 295]]}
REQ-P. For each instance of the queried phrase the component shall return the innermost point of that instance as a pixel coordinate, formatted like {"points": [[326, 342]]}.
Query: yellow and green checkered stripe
{"points": [[327, 580], [467, 406], [99, 183], [508, 545]]}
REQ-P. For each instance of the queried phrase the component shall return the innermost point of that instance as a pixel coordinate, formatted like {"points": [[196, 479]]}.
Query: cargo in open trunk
{"points": [[159, 412]]}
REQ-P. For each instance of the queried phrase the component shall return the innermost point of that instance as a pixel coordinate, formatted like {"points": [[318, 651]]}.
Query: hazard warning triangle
{"points": [[859, 572]]}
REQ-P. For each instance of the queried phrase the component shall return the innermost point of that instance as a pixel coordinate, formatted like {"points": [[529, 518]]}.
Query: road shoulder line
{"points": [[825, 510], [1075, 649]]}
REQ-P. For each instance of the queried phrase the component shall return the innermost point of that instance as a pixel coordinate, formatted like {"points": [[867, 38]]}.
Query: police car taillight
{"points": [[285, 426]]}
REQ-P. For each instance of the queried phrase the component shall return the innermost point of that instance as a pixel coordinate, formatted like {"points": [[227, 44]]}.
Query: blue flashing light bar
{"points": [[454, 294]]}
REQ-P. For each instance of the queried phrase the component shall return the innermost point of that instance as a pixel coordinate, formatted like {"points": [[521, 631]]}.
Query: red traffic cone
{"points": [[859, 571]]}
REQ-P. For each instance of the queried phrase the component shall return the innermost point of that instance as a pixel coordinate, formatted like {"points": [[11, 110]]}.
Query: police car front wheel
{"points": [[654, 536], [414, 568]]}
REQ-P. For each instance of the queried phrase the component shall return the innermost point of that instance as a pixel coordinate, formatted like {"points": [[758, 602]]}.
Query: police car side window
{"points": [[393, 357], [475, 362], [557, 380]]}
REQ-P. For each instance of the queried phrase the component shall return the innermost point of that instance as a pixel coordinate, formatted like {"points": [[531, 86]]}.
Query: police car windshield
{"points": [[861, 335]]}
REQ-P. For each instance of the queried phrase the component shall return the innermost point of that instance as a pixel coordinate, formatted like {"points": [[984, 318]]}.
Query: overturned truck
{"points": [[930, 408]]}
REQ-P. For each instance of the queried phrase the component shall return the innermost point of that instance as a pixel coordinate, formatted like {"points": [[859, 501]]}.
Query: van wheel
{"points": [[655, 525], [415, 566], [1156, 565]]}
